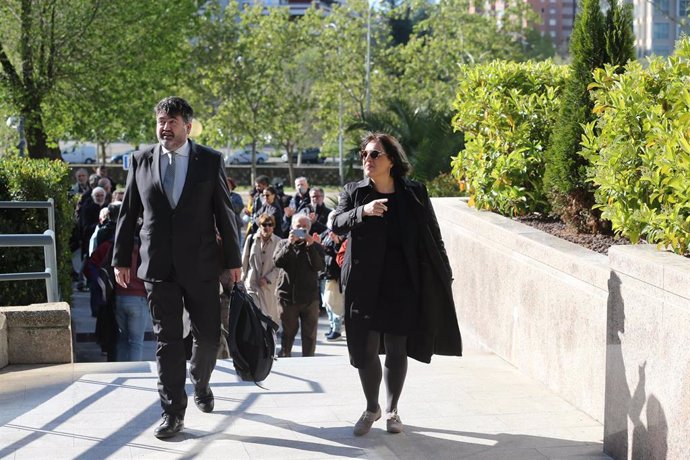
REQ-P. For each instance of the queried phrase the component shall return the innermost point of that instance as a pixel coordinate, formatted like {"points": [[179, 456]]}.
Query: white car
{"points": [[244, 157], [80, 154]]}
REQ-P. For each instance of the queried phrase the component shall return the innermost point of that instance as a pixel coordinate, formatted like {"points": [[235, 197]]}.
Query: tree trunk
{"points": [[36, 137], [101, 147]]}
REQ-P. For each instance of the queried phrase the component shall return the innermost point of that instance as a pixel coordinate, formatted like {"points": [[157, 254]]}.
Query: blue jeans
{"points": [[132, 316]]}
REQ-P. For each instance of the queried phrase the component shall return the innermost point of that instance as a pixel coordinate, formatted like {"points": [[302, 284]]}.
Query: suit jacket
{"points": [[181, 239]]}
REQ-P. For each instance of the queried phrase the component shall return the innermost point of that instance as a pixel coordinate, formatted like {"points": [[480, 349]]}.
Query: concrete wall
{"points": [[648, 355], [536, 300], [608, 334], [4, 354], [39, 333]]}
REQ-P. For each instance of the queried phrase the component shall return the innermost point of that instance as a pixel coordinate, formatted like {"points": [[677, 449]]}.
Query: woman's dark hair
{"points": [[391, 146], [270, 189], [267, 218], [174, 106]]}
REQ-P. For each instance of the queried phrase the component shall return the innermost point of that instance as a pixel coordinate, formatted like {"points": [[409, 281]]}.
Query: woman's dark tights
{"points": [[395, 373]]}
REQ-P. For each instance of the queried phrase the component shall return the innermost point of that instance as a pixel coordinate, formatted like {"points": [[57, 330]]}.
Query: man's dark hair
{"points": [[261, 180], [174, 106]]}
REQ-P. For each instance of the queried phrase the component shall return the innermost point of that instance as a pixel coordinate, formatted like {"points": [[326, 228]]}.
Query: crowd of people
{"points": [[288, 261], [184, 238]]}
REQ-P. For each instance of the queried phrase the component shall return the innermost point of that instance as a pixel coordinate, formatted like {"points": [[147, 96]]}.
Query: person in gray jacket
{"points": [[300, 258]]}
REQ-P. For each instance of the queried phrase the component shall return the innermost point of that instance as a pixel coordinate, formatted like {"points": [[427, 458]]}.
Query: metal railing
{"points": [[45, 240]]}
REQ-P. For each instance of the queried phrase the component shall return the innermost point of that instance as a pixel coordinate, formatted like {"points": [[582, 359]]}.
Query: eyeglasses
{"points": [[267, 194], [267, 224], [374, 154]]}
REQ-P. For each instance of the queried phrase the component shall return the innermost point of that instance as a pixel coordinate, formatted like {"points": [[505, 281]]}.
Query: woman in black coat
{"points": [[396, 277]]}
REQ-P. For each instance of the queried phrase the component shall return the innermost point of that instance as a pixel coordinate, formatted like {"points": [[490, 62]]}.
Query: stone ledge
{"points": [[38, 333], [4, 353], [55, 314], [582, 263]]}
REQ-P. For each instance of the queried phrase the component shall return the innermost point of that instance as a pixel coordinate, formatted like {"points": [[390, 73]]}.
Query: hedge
{"points": [[23, 179], [507, 111], [639, 148]]}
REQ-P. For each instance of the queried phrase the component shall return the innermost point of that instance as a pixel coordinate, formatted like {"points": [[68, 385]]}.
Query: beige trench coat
{"points": [[257, 263]]}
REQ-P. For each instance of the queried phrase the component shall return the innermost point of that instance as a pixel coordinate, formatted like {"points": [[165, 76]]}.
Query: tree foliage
{"points": [[86, 68], [452, 35], [565, 175]]}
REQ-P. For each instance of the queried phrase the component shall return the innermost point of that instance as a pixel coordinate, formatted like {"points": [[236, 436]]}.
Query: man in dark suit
{"points": [[180, 190]]}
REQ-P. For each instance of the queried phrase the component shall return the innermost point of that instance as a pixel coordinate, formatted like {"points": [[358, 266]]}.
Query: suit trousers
{"points": [[166, 301], [294, 317]]}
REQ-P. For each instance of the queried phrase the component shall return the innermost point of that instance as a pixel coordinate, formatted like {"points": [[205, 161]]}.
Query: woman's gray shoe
{"points": [[393, 422], [364, 423]]}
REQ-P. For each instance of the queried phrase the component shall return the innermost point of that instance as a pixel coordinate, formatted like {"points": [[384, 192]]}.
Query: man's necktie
{"points": [[169, 180]]}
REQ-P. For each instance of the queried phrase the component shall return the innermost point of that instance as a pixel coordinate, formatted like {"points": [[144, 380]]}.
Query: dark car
{"points": [[312, 155]]}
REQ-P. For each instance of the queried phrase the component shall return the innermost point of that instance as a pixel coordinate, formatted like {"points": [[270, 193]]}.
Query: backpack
{"points": [[251, 337]]}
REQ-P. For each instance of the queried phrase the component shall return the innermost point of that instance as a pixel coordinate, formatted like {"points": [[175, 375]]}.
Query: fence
{"points": [[45, 240]]}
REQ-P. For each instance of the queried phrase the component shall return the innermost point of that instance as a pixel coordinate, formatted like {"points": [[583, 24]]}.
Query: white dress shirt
{"points": [[181, 164]]}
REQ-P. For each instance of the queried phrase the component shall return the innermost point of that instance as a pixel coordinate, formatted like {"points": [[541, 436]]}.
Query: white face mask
{"points": [[301, 190]]}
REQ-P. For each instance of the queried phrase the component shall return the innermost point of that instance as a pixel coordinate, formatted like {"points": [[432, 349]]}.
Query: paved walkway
{"points": [[475, 407]]}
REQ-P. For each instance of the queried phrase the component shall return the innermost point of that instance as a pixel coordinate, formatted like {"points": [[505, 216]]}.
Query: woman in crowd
{"points": [[271, 206], [396, 277], [259, 272]]}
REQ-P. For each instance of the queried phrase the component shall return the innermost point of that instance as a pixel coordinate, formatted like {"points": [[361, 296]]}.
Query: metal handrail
{"points": [[45, 240]]}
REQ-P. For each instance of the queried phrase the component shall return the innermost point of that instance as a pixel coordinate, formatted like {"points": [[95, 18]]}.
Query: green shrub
{"points": [[23, 179], [444, 185], [506, 110], [639, 148]]}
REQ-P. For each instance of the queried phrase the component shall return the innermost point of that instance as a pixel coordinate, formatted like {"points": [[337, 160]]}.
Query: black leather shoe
{"points": [[169, 427], [204, 400]]}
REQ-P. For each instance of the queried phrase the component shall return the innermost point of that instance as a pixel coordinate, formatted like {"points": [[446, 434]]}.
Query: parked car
{"points": [[244, 157], [311, 155], [80, 154], [117, 159]]}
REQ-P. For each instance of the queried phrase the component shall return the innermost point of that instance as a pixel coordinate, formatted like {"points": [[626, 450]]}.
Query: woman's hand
{"points": [[375, 208]]}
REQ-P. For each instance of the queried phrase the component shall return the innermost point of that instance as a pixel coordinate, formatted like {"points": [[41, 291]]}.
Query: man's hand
{"points": [[289, 212], [235, 275], [314, 238], [122, 276]]}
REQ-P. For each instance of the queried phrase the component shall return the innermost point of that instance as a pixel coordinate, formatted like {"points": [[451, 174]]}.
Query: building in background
{"points": [[658, 24], [557, 18]]}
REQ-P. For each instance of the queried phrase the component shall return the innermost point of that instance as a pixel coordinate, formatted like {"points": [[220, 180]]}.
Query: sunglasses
{"points": [[267, 224], [373, 154]]}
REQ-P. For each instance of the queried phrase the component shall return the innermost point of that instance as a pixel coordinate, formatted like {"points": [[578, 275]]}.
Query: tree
{"points": [[238, 57], [341, 85], [619, 35], [565, 177], [78, 67], [296, 103], [451, 35]]}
